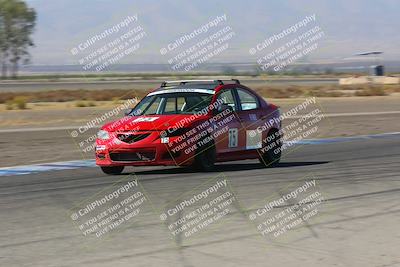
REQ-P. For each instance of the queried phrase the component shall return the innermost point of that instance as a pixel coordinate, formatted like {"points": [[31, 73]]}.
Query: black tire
{"points": [[205, 158], [271, 157], [113, 170]]}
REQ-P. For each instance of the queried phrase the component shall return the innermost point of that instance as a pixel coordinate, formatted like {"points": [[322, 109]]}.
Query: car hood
{"points": [[152, 122]]}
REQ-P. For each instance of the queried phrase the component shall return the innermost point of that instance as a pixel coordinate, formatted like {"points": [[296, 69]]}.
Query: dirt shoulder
{"points": [[54, 114]]}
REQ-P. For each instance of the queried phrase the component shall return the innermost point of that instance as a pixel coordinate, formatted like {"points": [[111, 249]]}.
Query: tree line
{"points": [[17, 23]]}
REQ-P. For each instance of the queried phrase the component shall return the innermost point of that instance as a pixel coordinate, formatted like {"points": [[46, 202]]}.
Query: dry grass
{"points": [[299, 91], [333, 90], [90, 97], [72, 95], [392, 89], [371, 91]]}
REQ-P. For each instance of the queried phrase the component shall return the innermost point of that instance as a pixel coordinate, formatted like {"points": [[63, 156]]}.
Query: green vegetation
{"points": [[17, 22], [18, 102], [81, 104]]}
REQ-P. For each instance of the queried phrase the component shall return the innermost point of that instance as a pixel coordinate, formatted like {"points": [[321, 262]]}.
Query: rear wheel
{"points": [[114, 170], [271, 152], [206, 157]]}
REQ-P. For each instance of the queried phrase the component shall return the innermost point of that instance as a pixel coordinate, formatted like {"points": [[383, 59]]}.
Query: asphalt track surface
{"points": [[356, 225]]}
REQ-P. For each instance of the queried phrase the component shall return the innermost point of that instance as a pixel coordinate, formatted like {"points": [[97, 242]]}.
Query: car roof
{"points": [[195, 84]]}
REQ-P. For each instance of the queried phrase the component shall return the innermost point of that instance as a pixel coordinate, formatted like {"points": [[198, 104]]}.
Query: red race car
{"points": [[192, 123]]}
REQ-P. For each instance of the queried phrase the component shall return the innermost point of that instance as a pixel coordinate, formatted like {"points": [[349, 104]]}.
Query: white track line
{"points": [[76, 164]]}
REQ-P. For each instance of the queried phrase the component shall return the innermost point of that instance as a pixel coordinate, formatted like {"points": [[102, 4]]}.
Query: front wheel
{"points": [[114, 170], [271, 152], [206, 157]]}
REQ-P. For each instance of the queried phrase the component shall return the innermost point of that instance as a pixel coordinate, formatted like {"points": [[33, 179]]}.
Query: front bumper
{"points": [[149, 151]]}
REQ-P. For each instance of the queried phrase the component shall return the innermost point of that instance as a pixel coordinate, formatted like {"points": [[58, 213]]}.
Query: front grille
{"points": [[169, 155], [133, 156], [131, 138]]}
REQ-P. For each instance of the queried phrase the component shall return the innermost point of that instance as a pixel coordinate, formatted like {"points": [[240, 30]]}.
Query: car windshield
{"points": [[172, 103]]}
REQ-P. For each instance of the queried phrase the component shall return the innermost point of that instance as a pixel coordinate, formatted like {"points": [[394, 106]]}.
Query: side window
{"points": [[174, 104], [227, 98], [247, 100]]}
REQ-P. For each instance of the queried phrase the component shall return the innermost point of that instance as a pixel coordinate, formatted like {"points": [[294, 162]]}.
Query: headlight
{"points": [[103, 135]]}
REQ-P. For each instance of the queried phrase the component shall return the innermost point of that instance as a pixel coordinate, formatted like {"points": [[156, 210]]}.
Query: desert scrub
{"points": [[80, 104], [18, 102], [90, 104], [371, 91], [9, 105]]}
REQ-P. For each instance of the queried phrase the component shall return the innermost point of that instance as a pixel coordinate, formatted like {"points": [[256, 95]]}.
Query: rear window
{"points": [[247, 100]]}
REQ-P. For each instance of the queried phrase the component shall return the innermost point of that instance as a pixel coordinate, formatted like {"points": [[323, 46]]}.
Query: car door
{"points": [[250, 117], [232, 139]]}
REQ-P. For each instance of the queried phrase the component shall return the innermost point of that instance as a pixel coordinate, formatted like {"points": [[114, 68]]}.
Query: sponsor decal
{"points": [[164, 140], [233, 137], [253, 117], [100, 147], [183, 90], [145, 119], [253, 139]]}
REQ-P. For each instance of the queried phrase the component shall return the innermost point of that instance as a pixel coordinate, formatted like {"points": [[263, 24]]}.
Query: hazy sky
{"points": [[350, 26]]}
